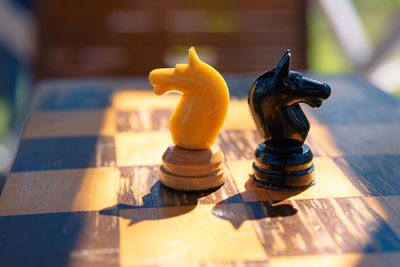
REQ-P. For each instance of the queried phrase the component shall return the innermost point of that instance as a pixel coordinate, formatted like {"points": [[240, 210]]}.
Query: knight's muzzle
{"points": [[161, 76], [326, 91]]}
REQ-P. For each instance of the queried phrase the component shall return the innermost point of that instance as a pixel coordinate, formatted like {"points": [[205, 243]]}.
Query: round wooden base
{"points": [[192, 170]]}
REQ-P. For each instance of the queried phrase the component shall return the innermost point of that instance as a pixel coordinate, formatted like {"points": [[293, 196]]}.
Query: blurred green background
{"points": [[376, 16]]}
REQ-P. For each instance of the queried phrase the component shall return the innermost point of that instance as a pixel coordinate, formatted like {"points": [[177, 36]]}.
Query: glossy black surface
{"points": [[282, 160], [283, 168]]}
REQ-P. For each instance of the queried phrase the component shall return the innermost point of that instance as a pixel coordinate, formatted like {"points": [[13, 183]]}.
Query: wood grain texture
{"points": [[176, 235], [74, 123], [84, 189], [59, 191]]}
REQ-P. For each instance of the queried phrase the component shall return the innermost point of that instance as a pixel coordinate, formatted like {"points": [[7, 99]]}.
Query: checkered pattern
{"points": [[84, 188]]}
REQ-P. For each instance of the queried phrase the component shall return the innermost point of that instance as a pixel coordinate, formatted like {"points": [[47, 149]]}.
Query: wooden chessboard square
{"points": [[388, 208], [64, 153], [54, 239], [345, 140], [154, 236], [323, 226], [129, 100], [143, 120], [373, 175], [238, 117], [238, 144], [59, 191], [71, 123], [141, 148], [94, 96], [139, 186], [330, 182]]}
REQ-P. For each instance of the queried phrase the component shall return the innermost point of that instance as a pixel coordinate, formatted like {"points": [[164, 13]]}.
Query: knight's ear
{"points": [[193, 57], [283, 67]]}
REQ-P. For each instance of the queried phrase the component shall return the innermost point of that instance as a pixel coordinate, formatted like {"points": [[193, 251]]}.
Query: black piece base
{"points": [[205, 192], [283, 165]]}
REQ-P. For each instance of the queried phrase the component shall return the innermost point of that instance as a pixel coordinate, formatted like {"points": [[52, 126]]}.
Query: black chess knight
{"points": [[283, 161]]}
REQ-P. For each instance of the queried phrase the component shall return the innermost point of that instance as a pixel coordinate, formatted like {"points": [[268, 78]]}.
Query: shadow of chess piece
{"points": [[283, 161], [193, 163]]}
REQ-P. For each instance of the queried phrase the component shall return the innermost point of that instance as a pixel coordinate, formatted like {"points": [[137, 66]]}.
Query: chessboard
{"points": [[84, 187]]}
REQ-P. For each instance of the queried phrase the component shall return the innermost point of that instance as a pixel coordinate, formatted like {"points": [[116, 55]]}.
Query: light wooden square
{"points": [[129, 99], [59, 191], [186, 234], [141, 148], [239, 117]]}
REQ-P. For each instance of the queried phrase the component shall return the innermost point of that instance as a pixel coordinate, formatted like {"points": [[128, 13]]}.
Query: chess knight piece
{"points": [[283, 161], [194, 163]]}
